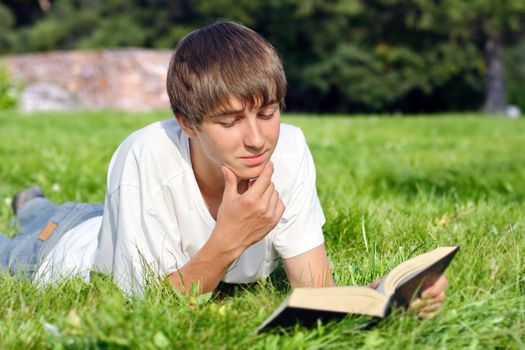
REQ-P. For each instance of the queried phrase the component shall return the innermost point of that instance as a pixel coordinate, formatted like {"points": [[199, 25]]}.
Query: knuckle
{"points": [[249, 202], [261, 208]]}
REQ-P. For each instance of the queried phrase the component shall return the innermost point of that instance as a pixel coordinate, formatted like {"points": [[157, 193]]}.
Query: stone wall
{"points": [[128, 79]]}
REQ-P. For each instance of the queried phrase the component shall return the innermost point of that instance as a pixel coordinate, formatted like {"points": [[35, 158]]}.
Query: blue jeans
{"points": [[22, 254]]}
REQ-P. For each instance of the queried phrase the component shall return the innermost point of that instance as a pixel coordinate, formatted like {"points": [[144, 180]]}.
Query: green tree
{"points": [[7, 22], [491, 25], [340, 55], [375, 55], [514, 64]]}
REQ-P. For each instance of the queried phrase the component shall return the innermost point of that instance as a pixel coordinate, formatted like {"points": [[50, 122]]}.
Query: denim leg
{"points": [[26, 251], [34, 215], [4, 240], [32, 218], [4, 243]]}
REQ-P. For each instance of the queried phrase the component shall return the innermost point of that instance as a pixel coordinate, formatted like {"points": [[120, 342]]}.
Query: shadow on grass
{"points": [[278, 281]]}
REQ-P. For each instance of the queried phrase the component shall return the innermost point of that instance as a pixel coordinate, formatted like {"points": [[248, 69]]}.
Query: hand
{"points": [[375, 284], [431, 299], [243, 219]]}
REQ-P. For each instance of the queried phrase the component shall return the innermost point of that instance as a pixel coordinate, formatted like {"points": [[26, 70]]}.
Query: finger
{"points": [[272, 206], [422, 306], [427, 316], [279, 211], [419, 304], [230, 182], [431, 308], [416, 305], [436, 299], [439, 286], [262, 182], [267, 196]]}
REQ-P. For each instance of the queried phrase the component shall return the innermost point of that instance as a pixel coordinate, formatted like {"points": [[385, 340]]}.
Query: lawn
{"points": [[391, 188]]}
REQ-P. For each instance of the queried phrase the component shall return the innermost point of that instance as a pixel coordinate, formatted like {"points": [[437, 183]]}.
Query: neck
{"points": [[208, 175]]}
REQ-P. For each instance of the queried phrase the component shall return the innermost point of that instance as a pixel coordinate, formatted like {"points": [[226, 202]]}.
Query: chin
{"points": [[249, 174], [246, 173]]}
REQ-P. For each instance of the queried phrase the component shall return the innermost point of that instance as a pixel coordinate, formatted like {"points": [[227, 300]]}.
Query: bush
{"points": [[9, 90]]}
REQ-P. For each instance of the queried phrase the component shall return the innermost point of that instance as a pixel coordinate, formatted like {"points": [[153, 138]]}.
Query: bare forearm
{"points": [[313, 278], [206, 268], [310, 269]]}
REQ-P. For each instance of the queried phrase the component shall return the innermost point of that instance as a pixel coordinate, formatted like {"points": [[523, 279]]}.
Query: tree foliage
{"points": [[490, 25], [340, 55]]}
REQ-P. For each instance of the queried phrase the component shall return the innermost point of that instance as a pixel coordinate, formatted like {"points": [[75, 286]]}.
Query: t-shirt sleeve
{"points": [[300, 228]]}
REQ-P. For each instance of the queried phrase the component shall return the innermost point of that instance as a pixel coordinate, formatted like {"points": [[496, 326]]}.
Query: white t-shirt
{"points": [[73, 255], [155, 219]]}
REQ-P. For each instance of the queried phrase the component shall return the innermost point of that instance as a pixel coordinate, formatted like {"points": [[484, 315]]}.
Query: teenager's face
{"points": [[242, 140]]}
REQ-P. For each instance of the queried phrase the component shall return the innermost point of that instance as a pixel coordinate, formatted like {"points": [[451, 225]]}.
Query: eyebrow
{"points": [[226, 113], [238, 111]]}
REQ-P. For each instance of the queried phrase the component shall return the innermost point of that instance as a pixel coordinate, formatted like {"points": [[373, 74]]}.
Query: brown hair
{"points": [[224, 60]]}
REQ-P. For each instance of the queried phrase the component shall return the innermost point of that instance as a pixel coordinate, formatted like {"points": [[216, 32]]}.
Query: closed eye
{"points": [[268, 112], [267, 116], [228, 123]]}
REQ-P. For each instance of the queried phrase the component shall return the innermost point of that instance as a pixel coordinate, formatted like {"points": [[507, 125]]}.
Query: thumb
{"points": [[230, 181]]}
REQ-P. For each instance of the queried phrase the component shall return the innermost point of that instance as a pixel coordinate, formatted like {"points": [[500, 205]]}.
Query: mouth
{"points": [[254, 160]]}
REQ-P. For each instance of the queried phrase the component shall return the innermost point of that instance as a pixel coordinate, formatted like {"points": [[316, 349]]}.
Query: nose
{"points": [[253, 137]]}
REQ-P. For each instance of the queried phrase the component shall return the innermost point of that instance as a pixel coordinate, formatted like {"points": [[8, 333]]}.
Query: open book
{"points": [[405, 282]]}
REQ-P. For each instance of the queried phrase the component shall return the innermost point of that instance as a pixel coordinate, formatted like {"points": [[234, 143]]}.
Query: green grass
{"points": [[390, 187]]}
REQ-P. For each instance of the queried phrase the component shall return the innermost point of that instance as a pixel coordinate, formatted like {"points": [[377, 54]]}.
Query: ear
{"points": [[187, 127]]}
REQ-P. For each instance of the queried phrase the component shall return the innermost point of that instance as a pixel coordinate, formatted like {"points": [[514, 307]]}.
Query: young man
{"points": [[220, 192]]}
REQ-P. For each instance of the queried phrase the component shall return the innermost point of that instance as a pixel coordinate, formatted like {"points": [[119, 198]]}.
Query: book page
{"points": [[358, 300], [417, 273]]}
